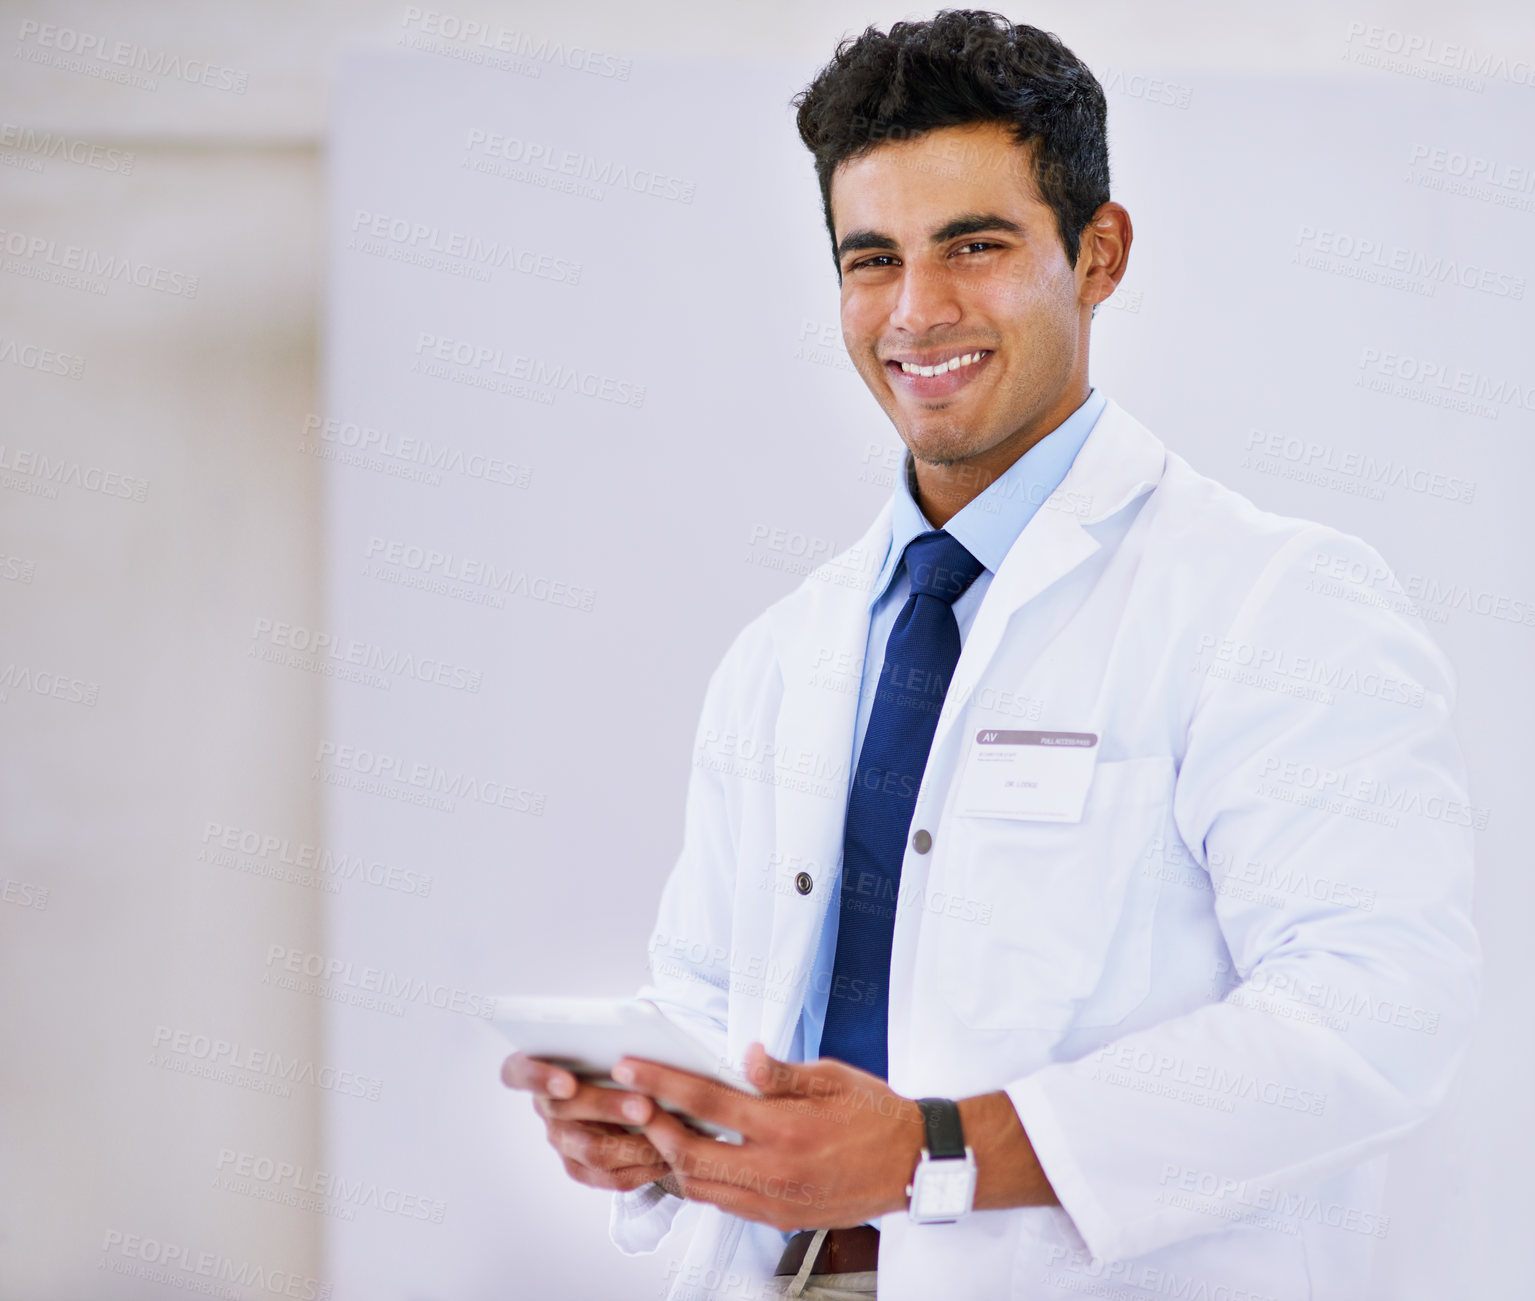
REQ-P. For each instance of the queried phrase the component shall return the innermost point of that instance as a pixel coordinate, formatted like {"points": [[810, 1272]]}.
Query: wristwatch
{"points": [[943, 1186]]}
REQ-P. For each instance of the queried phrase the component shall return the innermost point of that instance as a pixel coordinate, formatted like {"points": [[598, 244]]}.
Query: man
{"points": [[1057, 803]]}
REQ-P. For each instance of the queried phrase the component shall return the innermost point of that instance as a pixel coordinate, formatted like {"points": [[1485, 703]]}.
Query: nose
{"points": [[926, 300]]}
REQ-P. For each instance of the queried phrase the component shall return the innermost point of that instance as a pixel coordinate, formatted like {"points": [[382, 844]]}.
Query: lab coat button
{"points": [[803, 883], [922, 842]]}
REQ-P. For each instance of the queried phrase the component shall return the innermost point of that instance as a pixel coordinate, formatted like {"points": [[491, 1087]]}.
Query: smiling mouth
{"points": [[942, 377], [955, 362]]}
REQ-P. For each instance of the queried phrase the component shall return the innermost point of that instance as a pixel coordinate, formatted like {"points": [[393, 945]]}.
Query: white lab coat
{"points": [[1216, 999]]}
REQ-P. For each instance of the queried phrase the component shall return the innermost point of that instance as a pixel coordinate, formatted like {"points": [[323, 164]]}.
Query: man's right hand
{"points": [[585, 1125]]}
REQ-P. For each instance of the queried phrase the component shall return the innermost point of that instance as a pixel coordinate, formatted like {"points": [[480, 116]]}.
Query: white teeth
{"points": [[943, 367]]}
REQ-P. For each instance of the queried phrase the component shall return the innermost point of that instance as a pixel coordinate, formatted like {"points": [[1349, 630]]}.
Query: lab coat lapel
{"points": [[1120, 460], [825, 625]]}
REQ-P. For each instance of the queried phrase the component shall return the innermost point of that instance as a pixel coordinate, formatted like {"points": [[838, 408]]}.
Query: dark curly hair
{"points": [[959, 67]]}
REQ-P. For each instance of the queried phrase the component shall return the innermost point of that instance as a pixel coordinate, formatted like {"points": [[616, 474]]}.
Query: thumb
{"points": [[773, 1077]]}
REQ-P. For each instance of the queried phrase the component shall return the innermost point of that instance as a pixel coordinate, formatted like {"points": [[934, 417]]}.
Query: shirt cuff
{"points": [[642, 1218], [1053, 1151]]}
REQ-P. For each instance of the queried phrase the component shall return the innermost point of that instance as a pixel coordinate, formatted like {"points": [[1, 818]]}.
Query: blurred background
{"points": [[401, 409]]}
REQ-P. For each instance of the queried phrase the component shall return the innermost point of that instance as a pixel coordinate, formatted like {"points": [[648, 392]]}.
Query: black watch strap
{"points": [[945, 1135]]}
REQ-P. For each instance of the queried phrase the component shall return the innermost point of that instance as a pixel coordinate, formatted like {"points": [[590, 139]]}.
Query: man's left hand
{"points": [[826, 1146]]}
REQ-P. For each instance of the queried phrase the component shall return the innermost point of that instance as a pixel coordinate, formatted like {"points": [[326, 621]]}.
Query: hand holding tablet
{"points": [[587, 1036]]}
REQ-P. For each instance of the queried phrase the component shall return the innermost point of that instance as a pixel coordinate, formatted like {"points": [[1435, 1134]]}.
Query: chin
{"points": [[942, 446]]}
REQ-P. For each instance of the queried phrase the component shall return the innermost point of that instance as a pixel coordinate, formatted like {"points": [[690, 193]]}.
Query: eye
{"points": [[879, 261], [978, 244]]}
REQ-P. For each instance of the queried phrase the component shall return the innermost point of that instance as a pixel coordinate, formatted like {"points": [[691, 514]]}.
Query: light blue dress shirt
{"points": [[987, 527]]}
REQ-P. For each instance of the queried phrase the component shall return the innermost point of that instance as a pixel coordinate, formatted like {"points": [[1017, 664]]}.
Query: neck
{"points": [[944, 489]]}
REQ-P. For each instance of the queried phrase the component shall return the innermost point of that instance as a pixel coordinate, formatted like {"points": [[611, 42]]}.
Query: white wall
{"points": [[109, 785], [153, 606]]}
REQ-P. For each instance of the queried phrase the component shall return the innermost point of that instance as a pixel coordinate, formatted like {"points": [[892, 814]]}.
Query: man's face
{"points": [[948, 254]]}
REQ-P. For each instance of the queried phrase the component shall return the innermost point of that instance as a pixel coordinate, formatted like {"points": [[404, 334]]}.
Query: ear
{"points": [[1103, 254]]}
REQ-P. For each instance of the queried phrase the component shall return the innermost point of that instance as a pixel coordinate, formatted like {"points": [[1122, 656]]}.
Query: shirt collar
{"points": [[989, 524]]}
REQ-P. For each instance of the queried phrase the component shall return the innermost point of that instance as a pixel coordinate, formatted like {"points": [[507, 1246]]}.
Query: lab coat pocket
{"points": [[1068, 907]]}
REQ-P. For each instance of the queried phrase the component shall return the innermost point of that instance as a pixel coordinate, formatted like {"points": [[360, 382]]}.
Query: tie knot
{"points": [[939, 566]]}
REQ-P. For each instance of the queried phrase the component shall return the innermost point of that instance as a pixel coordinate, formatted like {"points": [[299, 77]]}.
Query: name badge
{"points": [[1040, 776]]}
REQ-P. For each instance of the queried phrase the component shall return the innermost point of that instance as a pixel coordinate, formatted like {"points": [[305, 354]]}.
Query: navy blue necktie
{"points": [[919, 661]]}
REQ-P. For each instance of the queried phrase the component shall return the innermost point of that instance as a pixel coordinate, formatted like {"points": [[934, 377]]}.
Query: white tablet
{"points": [[587, 1037]]}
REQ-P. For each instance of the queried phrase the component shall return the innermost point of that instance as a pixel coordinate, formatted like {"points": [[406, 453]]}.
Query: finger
{"points": [[602, 1147], [614, 1150], [686, 1149], [728, 1197], [637, 1176], [623, 1180], [773, 1077], [697, 1095], [759, 1069], [594, 1102], [519, 1071], [790, 1206]]}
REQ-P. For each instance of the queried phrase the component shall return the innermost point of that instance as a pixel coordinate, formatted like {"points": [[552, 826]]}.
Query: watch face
{"points": [[943, 1189]]}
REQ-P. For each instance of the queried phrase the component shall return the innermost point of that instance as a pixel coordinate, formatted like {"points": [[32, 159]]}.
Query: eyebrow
{"points": [[971, 223]]}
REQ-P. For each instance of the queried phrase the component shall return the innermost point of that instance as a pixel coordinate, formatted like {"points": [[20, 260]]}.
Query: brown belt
{"points": [[844, 1251]]}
